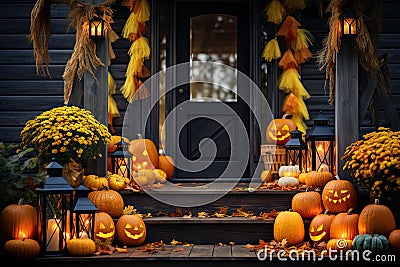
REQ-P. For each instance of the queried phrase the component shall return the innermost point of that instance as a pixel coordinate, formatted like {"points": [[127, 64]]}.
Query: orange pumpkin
{"points": [[24, 248], [318, 178], [290, 226], [144, 154], [308, 204], [394, 240], [166, 163], [344, 225], [339, 196], [94, 182], [107, 200], [18, 221], [376, 219], [104, 228], [320, 226], [278, 130], [131, 230]]}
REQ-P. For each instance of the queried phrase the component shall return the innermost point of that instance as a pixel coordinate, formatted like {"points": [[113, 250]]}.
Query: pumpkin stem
{"points": [[21, 201], [287, 116], [326, 212], [140, 136], [350, 211], [376, 201]]}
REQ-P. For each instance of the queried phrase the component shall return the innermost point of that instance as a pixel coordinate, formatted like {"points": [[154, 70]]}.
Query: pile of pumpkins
{"points": [[333, 221], [148, 167], [291, 176]]}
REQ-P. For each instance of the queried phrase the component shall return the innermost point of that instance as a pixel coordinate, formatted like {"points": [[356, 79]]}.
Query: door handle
{"points": [[181, 91]]}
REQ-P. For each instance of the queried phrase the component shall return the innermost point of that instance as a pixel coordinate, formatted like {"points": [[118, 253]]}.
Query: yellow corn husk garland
{"points": [[271, 50], [295, 4], [275, 12], [139, 50], [288, 61], [297, 42]]}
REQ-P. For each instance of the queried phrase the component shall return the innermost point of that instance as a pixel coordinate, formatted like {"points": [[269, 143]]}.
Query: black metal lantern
{"points": [[321, 143], [349, 24], [55, 217], [84, 212], [96, 28], [296, 150], [121, 159]]}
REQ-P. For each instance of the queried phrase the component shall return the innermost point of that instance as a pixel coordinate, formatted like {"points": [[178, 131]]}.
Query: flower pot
{"points": [[73, 173]]}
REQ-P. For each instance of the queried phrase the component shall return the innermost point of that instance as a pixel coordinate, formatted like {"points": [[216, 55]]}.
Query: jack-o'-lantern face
{"points": [[278, 131], [339, 196], [131, 230], [134, 231], [320, 227], [104, 228], [144, 154]]}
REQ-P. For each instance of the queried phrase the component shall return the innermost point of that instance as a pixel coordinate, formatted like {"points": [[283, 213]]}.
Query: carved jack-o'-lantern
{"points": [[131, 230], [144, 154], [278, 130], [320, 226], [104, 228], [339, 196]]}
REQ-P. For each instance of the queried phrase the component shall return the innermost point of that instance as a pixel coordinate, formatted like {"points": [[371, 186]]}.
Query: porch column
{"points": [[346, 102], [96, 96]]}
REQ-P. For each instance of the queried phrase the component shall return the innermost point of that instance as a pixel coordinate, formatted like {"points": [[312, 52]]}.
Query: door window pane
{"points": [[213, 38]]}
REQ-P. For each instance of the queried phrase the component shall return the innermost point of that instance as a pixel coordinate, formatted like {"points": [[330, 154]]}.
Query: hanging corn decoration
{"points": [[297, 42], [275, 12], [134, 30], [271, 50]]}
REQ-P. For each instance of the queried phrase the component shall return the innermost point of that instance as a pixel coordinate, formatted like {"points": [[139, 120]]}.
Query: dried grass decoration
{"points": [[326, 57], [84, 57]]}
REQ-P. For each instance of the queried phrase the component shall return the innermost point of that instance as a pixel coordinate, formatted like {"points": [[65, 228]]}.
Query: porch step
{"points": [[165, 225], [210, 230]]}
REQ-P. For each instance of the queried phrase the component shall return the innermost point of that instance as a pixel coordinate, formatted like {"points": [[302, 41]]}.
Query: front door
{"points": [[211, 116]]}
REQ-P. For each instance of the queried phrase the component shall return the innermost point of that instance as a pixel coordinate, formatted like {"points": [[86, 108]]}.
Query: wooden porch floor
{"points": [[187, 255]]}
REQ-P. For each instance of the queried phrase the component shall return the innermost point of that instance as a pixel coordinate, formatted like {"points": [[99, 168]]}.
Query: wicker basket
{"points": [[273, 157]]}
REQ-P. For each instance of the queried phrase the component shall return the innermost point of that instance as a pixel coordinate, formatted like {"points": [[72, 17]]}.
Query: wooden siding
{"points": [[24, 94]]}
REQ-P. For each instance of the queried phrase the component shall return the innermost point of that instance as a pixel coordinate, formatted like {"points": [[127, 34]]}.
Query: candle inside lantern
{"points": [[53, 234], [320, 157]]}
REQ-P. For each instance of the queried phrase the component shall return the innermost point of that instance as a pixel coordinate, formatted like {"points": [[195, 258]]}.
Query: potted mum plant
{"points": [[69, 134], [374, 162]]}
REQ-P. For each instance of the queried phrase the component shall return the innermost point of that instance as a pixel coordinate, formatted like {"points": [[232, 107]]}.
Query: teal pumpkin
{"points": [[376, 243]]}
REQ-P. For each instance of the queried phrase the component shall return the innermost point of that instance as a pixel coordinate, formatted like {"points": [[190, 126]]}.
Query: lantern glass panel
{"points": [[96, 30]]}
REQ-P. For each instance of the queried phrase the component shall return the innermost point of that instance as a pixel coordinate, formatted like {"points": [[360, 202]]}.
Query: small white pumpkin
{"points": [[323, 167], [289, 171], [288, 181]]}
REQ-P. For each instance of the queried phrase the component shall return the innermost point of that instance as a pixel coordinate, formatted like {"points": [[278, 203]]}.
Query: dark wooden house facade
{"points": [[24, 94]]}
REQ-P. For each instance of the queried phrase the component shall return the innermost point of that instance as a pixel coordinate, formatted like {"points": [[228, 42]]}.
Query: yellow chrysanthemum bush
{"points": [[66, 133], [374, 161]]}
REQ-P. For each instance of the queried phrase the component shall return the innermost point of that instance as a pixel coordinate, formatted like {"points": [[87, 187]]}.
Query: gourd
{"points": [[288, 181], [289, 171], [376, 243], [81, 247]]}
